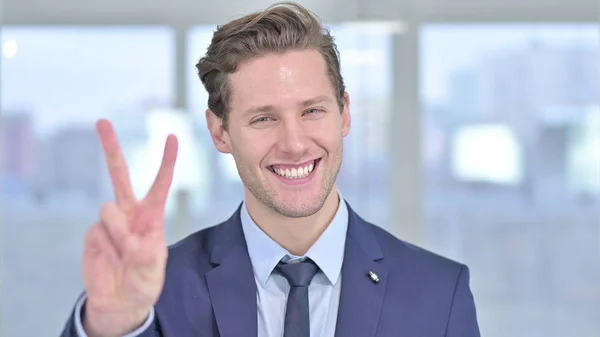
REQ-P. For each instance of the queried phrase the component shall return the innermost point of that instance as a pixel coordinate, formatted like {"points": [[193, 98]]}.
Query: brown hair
{"points": [[282, 27]]}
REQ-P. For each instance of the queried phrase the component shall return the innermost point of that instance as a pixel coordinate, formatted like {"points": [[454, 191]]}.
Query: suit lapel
{"points": [[231, 283], [361, 298]]}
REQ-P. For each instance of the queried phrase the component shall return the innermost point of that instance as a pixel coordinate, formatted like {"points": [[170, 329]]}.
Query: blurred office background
{"points": [[476, 134]]}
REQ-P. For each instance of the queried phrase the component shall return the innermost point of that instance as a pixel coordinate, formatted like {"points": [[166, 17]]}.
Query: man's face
{"points": [[285, 131]]}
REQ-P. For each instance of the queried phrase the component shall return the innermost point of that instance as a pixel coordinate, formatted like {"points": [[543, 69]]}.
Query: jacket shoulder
{"points": [[413, 256], [196, 245]]}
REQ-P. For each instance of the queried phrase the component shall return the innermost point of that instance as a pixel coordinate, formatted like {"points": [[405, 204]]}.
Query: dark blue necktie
{"points": [[298, 275]]}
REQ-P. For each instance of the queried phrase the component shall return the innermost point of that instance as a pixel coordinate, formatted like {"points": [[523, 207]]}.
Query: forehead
{"points": [[280, 80]]}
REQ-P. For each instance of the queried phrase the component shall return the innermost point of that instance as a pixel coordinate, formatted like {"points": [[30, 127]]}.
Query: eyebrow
{"points": [[315, 100], [302, 104]]}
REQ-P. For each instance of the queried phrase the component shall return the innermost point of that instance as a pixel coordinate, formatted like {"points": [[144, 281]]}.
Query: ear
{"points": [[346, 120], [218, 133]]}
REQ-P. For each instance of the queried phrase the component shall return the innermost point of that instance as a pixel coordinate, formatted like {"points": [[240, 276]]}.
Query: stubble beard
{"points": [[265, 194]]}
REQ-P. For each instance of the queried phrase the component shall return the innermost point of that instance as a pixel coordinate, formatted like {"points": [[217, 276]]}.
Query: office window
{"points": [[367, 66], [367, 69], [512, 170], [56, 82]]}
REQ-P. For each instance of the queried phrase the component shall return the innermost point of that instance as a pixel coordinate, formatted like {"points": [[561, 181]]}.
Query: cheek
{"points": [[327, 131], [330, 143], [250, 151]]}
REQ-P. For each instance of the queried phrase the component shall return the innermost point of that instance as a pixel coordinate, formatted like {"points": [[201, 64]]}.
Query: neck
{"points": [[296, 235]]}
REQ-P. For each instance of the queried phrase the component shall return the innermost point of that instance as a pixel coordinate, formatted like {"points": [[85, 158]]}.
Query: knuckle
{"points": [[106, 209], [92, 235]]}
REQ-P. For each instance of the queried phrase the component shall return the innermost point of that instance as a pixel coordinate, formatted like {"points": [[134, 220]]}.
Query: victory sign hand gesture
{"points": [[125, 252]]}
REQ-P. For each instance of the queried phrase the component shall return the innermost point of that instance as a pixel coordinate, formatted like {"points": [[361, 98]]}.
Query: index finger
{"points": [[116, 164]]}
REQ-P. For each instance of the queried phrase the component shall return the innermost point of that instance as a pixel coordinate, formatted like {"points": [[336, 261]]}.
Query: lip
{"points": [[290, 165], [298, 181]]}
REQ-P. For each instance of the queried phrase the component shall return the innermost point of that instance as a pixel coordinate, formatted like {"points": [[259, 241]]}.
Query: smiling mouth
{"points": [[295, 172]]}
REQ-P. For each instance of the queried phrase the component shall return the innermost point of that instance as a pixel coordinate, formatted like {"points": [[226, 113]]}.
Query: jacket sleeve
{"points": [[463, 315], [74, 326]]}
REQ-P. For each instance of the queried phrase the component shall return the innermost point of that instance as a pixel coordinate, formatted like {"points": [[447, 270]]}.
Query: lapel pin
{"points": [[373, 277]]}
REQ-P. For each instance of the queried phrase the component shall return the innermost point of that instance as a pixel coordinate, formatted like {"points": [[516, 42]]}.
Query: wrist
{"points": [[100, 323]]}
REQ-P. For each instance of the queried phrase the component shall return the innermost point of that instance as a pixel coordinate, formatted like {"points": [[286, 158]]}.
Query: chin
{"points": [[302, 203], [301, 209]]}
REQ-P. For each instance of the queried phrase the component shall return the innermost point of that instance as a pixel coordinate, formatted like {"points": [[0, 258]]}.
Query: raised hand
{"points": [[125, 253]]}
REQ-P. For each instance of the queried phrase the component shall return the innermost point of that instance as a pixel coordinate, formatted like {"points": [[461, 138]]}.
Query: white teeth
{"points": [[296, 172]]}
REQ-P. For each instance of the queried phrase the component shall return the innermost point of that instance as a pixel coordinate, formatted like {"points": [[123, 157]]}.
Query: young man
{"points": [[294, 260]]}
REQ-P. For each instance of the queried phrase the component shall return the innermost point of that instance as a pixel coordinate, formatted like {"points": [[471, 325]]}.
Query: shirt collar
{"points": [[327, 252]]}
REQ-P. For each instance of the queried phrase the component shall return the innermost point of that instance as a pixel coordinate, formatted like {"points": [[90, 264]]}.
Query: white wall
{"points": [[185, 12]]}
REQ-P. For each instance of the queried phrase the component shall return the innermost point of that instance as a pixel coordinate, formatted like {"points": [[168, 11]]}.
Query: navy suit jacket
{"points": [[210, 289]]}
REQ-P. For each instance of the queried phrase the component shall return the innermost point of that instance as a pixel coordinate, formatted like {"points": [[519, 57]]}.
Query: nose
{"points": [[293, 137]]}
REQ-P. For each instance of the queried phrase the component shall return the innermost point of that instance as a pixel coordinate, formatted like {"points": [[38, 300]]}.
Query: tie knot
{"points": [[298, 274]]}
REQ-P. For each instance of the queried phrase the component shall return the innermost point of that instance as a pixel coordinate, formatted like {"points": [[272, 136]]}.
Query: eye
{"points": [[261, 119], [313, 111]]}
